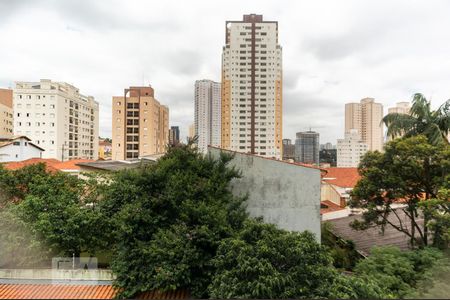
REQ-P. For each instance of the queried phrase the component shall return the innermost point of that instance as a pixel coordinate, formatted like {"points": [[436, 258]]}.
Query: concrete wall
{"points": [[284, 194], [54, 274]]}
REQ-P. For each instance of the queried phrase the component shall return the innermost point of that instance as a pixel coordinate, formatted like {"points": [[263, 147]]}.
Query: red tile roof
{"points": [[330, 207], [342, 177], [71, 164], [49, 162], [64, 291]]}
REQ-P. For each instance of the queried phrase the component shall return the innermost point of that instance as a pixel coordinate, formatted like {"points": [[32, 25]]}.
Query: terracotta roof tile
{"points": [[330, 207], [49, 162], [69, 291], [71, 164], [342, 177]]}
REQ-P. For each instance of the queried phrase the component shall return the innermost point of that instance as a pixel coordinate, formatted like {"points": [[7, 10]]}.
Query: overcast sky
{"points": [[333, 51]]}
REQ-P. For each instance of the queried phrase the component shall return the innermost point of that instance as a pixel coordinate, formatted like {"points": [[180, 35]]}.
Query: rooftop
{"points": [[342, 177], [50, 163], [113, 165]]}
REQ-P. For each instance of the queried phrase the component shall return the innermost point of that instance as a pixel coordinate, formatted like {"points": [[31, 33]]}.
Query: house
{"points": [[18, 148], [104, 149], [282, 193], [335, 191]]}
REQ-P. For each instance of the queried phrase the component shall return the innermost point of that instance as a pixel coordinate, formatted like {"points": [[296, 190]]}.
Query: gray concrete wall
{"points": [[284, 194]]}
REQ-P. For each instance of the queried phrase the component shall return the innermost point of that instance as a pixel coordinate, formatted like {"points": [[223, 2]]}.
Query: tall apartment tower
{"points": [[6, 113], [400, 108], [366, 118], [350, 149], [57, 118], [307, 147], [252, 87], [207, 114], [174, 135], [140, 124]]}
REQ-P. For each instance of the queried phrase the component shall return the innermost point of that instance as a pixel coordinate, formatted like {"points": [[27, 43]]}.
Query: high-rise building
{"points": [[327, 146], [191, 133], [307, 147], [400, 108], [57, 118], [252, 87], [140, 124], [6, 113], [288, 149], [207, 114], [350, 149], [174, 135], [366, 118]]}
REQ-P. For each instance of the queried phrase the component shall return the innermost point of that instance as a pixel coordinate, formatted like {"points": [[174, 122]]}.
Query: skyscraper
{"points": [[140, 124], [350, 149], [366, 118], [252, 87], [207, 114], [56, 117], [400, 108], [174, 135], [288, 149], [6, 113], [307, 147]]}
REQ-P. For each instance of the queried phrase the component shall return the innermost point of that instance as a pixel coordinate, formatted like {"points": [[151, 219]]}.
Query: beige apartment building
{"points": [[6, 113], [400, 108], [252, 87], [57, 118], [366, 117], [140, 124]]}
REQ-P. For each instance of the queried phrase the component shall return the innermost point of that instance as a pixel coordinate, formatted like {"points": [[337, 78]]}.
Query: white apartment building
{"points": [[57, 118], [366, 117], [207, 114], [350, 149], [252, 87]]}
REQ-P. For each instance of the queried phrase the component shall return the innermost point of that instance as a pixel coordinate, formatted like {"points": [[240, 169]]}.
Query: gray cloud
{"points": [[333, 52]]}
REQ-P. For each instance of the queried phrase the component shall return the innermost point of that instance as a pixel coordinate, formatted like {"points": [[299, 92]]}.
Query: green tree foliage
{"points": [[437, 212], [169, 219], [56, 212], [15, 185], [410, 169], [265, 262], [396, 271], [342, 251], [435, 125]]}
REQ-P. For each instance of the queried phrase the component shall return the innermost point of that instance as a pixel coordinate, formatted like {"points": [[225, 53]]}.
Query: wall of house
{"points": [[19, 152], [284, 194], [327, 192]]}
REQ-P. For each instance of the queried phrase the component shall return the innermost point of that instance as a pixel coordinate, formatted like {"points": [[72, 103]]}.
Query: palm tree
{"points": [[435, 125]]}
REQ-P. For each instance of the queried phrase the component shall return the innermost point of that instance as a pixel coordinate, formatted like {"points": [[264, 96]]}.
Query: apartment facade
{"points": [[6, 113], [208, 116], [252, 87], [307, 147], [366, 117], [140, 124], [174, 135], [57, 118], [350, 149]]}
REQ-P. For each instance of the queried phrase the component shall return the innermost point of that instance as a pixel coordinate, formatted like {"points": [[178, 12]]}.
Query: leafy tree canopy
{"points": [[169, 219]]}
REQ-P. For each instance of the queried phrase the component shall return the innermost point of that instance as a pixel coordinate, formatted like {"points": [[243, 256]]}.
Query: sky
{"points": [[334, 52]]}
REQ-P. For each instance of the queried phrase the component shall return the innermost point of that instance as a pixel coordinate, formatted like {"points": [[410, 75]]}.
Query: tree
{"points": [[49, 213], [435, 125], [411, 170], [263, 261], [169, 219], [396, 271], [437, 214]]}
